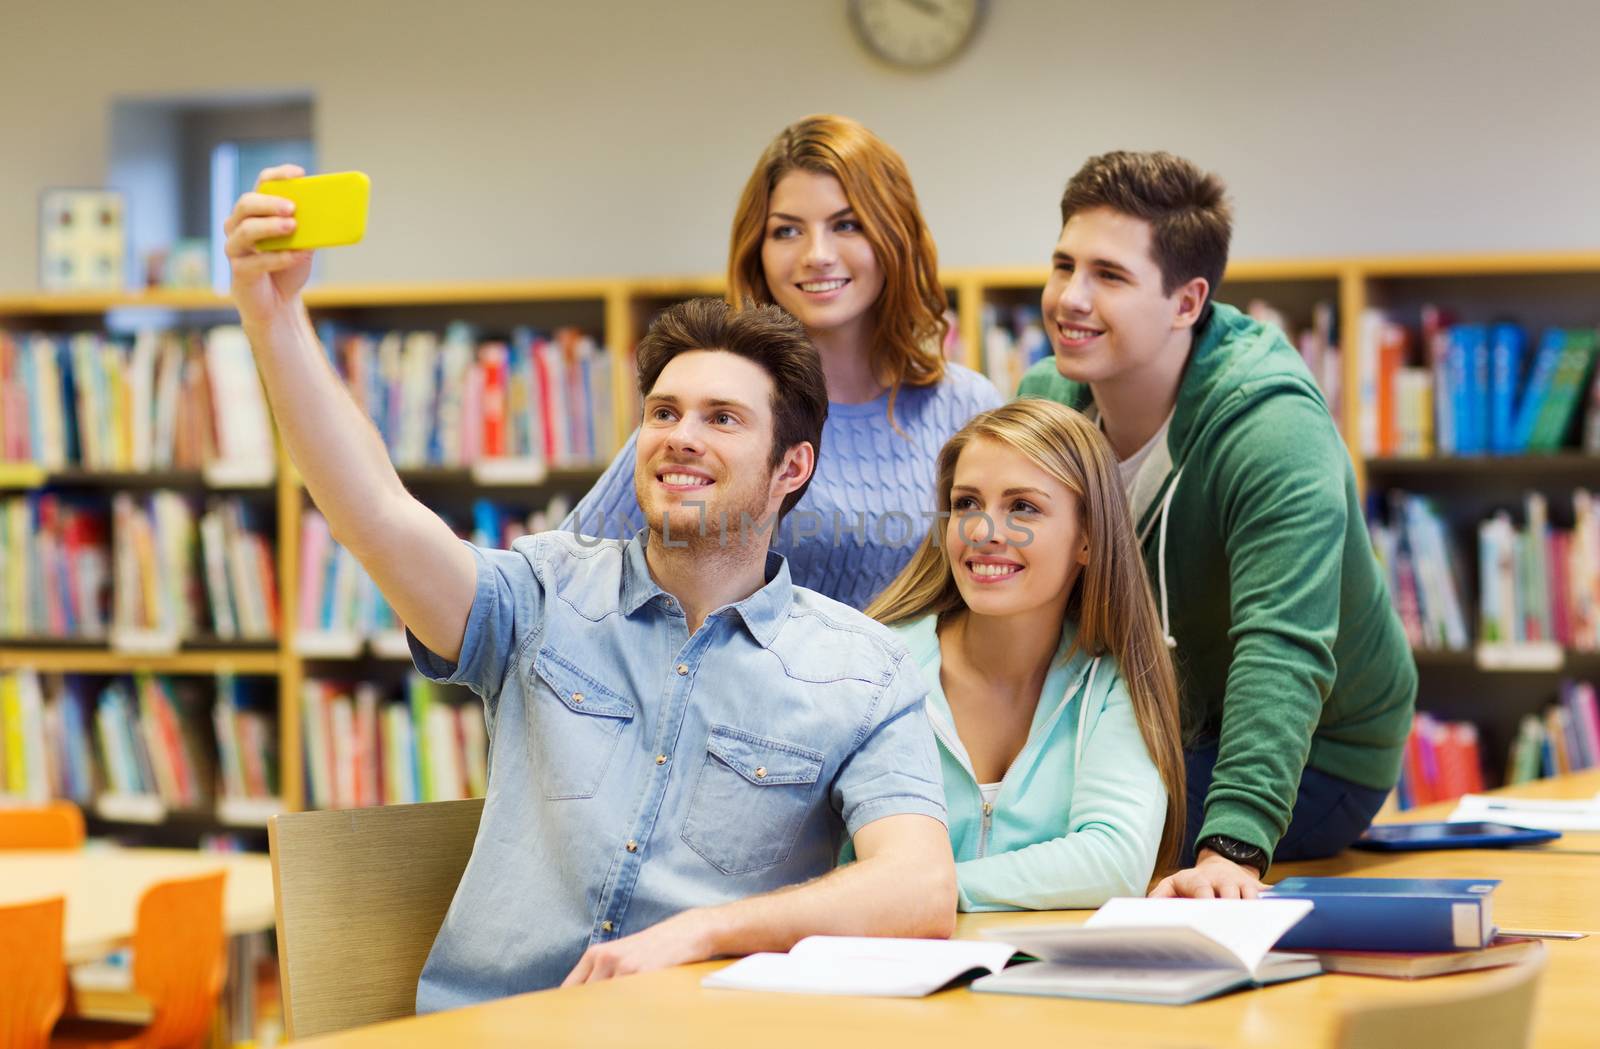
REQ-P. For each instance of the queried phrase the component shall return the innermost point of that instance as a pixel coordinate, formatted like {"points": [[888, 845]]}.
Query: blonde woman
{"points": [[828, 227], [1050, 691]]}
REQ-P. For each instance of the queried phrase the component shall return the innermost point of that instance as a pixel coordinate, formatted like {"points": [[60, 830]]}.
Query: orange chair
{"points": [[54, 825], [33, 979], [178, 966]]}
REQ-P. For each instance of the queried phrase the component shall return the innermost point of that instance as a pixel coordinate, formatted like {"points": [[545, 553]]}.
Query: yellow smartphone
{"points": [[329, 210]]}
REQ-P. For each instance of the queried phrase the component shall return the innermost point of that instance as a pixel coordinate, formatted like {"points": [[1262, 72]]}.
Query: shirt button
{"points": [[761, 773], [577, 697], [661, 759], [606, 926], [683, 668], [633, 846]]}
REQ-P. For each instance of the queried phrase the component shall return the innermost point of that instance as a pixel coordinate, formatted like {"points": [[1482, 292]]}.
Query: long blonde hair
{"points": [[1110, 601], [911, 324]]}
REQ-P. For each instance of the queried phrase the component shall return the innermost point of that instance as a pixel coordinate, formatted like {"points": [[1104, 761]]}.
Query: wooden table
{"points": [[102, 886], [668, 1009]]}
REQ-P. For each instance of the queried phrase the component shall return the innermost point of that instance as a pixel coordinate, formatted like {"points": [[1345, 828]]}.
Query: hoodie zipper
{"points": [[986, 809]]}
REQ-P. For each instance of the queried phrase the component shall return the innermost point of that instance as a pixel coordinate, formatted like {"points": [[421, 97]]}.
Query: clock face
{"points": [[916, 33]]}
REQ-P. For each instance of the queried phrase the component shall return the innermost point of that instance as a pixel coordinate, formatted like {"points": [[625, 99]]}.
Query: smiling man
{"points": [[1297, 682], [680, 739], [679, 736]]}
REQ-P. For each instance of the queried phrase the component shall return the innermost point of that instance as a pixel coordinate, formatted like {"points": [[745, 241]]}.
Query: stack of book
{"points": [[247, 743], [137, 740], [1423, 573], [365, 748], [1565, 738], [55, 567], [158, 597], [1474, 389], [91, 402], [1442, 761], [340, 605], [241, 582], [1541, 584], [458, 400]]}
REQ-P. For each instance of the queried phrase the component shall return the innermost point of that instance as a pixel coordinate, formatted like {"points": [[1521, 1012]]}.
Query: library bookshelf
{"points": [[1539, 288]]}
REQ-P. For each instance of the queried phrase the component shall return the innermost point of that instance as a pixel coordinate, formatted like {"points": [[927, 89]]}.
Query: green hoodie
{"points": [[1287, 647]]}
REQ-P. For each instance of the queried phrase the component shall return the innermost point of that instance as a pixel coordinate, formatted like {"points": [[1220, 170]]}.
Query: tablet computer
{"points": [[1392, 837]]}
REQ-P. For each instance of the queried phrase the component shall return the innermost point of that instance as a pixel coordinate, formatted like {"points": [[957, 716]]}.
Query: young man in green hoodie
{"points": [[1298, 685]]}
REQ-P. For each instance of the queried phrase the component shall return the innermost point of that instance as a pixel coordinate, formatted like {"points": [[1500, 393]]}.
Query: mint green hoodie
{"points": [[1067, 830], [1288, 649]]}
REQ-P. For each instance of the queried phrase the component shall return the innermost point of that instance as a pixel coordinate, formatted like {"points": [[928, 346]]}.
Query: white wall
{"points": [[540, 138]]}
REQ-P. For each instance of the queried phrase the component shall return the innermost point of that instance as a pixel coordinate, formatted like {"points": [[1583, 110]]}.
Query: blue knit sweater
{"points": [[866, 510]]}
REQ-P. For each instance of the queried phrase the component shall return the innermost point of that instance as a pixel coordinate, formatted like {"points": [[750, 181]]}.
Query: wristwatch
{"points": [[1236, 850]]}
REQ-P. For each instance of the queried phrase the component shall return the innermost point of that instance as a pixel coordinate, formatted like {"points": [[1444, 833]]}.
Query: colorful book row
{"points": [[1538, 583], [71, 570], [1475, 389], [93, 402], [1422, 571], [1443, 760], [1565, 738], [365, 747], [458, 400], [339, 604], [143, 737], [150, 574]]}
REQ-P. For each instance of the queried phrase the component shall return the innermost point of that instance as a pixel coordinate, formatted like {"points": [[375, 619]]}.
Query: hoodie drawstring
{"points": [[1083, 715], [1161, 560]]}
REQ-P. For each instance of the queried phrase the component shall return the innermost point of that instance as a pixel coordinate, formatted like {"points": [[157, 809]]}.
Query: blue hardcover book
{"points": [[1480, 384], [30, 390], [1541, 377], [1389, 914], [69, 404], [1505, 351], [1467, 386]]}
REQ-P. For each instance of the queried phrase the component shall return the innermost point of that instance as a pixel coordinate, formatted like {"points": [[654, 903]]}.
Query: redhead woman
{"points": [[828, 227], [1051, 692]]}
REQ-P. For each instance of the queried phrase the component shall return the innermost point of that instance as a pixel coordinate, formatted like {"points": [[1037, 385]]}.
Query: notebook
{"points": [[863, 965]]}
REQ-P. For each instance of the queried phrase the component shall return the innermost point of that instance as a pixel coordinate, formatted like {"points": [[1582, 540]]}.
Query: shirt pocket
{"points": [[750, 800], [574, 722]]}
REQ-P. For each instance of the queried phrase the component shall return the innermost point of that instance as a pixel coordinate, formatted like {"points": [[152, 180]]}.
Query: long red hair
{"points": [[911, 325]]}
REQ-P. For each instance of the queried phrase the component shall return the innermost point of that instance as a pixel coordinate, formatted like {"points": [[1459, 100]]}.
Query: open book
{"points": [[1582, 814], [863, 965], [1164, 951]]}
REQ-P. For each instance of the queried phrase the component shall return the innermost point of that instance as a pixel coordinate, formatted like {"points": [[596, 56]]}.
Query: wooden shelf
{"points": [[1569, 467], [83, 659], [467, 477], [1572, 662], [457, 293], [66, 304], [26, 476], [1482, 264]]}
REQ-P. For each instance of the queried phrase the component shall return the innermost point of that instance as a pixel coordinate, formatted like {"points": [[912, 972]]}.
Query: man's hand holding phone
{"points": [[266, 284]]}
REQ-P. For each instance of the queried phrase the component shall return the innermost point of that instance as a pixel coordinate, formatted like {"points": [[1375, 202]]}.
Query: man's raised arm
{"points": [[419, 565]]}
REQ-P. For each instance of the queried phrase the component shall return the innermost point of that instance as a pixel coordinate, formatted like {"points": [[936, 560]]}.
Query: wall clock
{"points": [[916, 34]]}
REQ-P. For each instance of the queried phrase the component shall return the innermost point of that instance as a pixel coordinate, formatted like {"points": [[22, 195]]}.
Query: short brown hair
{"points": [[1190, 219], [908, 340], [767, 335]]}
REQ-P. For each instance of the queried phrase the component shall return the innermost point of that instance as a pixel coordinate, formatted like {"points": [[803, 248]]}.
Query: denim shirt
{"points": [[636, 771]]}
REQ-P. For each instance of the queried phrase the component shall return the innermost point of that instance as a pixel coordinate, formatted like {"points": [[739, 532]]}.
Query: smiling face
{"points": [[705, 449], [817, 262], [998, 497], [1104, 307]]}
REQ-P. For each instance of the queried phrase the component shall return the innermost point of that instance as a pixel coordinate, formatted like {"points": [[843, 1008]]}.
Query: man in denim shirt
{"points": [[605, 666]]}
